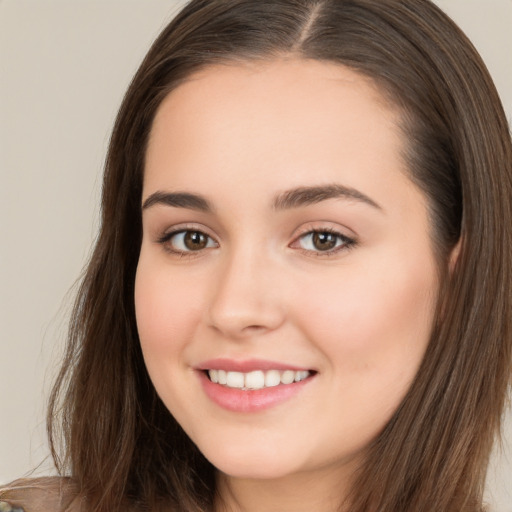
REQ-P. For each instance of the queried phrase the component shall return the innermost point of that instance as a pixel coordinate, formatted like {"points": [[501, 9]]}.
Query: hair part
{"points": [[121, 444]]}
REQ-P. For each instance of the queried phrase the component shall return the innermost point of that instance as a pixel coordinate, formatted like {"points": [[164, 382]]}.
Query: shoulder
{"points": [[51, 494], [7, 507]]}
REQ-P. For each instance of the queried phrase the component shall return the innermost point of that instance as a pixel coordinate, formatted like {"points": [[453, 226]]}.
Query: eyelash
{"points": [[343, 242]]}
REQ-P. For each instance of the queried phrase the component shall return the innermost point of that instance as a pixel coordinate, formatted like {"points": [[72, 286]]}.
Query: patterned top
{"points": [[42, 494], [5, 507]]}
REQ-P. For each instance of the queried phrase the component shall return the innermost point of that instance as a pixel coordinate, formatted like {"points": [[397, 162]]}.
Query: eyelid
{"points": [[185, 226], [327, 227]]}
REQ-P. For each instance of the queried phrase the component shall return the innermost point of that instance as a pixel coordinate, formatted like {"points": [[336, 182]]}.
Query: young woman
{"points": [[300, 295]]}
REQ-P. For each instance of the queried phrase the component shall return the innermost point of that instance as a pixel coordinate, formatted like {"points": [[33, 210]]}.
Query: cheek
{"points": [[373, 329], [166, 309], [375, 321]]}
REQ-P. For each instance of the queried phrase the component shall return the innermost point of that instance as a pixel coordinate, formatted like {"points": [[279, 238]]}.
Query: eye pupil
{"points": [[324, 241], [195, 240]]}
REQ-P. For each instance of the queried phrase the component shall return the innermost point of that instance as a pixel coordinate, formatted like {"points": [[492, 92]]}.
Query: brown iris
{"points": [[324, 241], [195, 240]]}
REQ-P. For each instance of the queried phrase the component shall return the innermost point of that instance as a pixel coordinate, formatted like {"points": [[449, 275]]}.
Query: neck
{"points": [[322, 491]]}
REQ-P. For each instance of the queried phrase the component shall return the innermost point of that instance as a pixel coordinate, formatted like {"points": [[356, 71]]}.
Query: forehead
{"points": [[307, 88], [277, 124]]}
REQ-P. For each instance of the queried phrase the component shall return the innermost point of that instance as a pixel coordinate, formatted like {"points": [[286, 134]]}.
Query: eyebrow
{"points": [[178, 200], [294, 198], [303, 196]]}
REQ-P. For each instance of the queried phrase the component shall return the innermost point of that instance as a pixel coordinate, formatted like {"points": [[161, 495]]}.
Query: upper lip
{"points": [[247, 365]]}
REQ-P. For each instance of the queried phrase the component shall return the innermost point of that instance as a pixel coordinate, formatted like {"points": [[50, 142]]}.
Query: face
{"points": [[286, 285]]}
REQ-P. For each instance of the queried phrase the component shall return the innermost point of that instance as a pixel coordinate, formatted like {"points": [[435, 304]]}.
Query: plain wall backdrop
{"points": [[64, 67]]}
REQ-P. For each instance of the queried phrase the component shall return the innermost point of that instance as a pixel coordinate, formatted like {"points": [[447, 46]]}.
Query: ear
{"points": [[454, 255]]}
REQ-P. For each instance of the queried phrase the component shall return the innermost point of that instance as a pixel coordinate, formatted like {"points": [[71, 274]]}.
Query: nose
{"points": [[246, 297]]}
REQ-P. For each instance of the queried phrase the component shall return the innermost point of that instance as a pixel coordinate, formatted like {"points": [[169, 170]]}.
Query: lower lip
{"points": [[252, 400]]}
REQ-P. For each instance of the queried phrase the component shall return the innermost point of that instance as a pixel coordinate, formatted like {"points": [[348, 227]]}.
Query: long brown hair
{"points": [[122, 446]]}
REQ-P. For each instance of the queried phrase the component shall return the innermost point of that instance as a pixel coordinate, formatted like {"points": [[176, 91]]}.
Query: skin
{"points": [[359, 315]]}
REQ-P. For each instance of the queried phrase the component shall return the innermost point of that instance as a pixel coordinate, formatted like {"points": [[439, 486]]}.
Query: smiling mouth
{"points": [[257, 379]]}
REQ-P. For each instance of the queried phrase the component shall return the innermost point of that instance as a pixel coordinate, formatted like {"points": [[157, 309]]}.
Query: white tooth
{"points": [[301, 375], [255, 380], [213, 375], [272, 378], [235, 380], [221, 376], [287, 377]]}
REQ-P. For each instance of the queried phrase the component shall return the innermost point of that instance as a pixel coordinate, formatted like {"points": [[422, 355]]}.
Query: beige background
{"points": [[64, 66]]}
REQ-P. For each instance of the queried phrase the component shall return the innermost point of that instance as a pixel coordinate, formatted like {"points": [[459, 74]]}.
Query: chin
{"points": [[252, 464]]}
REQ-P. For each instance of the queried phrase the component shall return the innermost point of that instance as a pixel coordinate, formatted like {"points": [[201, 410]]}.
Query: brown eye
{"points": [[195, 240], [328, 242], [187, 241], [324, 241]]}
